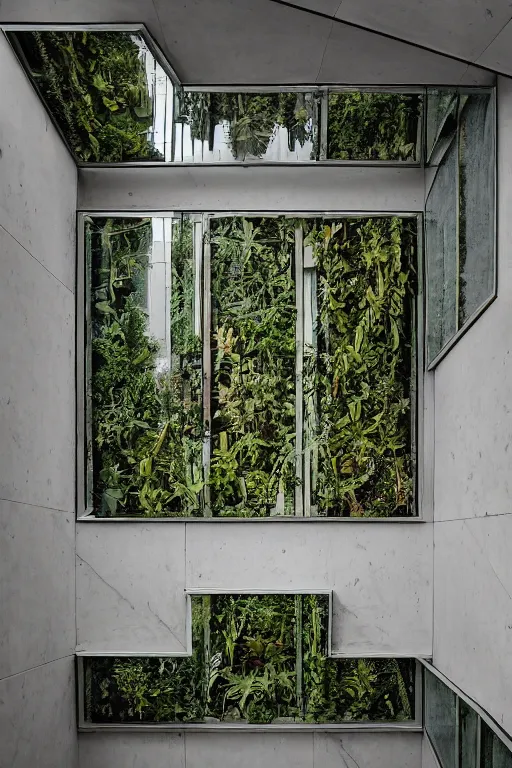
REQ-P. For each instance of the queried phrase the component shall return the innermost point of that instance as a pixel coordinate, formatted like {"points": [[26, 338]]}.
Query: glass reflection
{"points": [[441, 719]]}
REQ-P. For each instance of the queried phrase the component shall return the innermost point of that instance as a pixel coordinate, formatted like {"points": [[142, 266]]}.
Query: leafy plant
{"points": [[358, 379], [372, 126], [256, 659], [253, 340], [95, 85]]}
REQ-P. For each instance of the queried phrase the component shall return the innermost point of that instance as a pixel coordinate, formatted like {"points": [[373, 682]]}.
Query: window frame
{"points": [[421, 480]]}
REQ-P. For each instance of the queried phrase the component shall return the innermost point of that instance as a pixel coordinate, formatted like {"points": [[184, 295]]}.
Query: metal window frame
{"points": [[415, 725], [85, 512], [9, 30], [462, 330], [483, 716]]}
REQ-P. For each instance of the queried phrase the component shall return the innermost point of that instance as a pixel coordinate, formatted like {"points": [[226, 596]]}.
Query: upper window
{"points": [[251, 366], [460, 214], [115, 100]]}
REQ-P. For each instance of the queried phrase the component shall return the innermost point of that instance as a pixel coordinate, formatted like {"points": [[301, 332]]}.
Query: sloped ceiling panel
{"points": [[258, 42], [498, 55], [462, 28]]}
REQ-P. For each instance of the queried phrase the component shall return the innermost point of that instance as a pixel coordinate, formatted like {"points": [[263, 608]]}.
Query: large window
{"points": [[256, 659], [250, 366], [115, 100], [460, 736], [460, 214]]}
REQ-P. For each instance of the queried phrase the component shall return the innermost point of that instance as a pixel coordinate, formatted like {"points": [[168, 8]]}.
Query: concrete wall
{"points": [[251, 750], [428, 756], [37, 431], [131, 599], [473, 482]]}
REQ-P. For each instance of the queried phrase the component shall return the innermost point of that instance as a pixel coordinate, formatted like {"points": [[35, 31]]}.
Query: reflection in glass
{"points": [[440, 719], [441, 253], [108, 95], [468, 725], [477, 194], [252, 470], [225, 127], [145, 372], [255, 658], [441, 116], [373, 126], [359, 289], [494, 752]]}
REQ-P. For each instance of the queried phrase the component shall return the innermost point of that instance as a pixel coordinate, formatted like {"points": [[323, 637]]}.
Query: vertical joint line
{"points": [[299, 369]]}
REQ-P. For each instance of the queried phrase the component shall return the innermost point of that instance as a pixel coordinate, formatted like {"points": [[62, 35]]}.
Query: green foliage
{"points": [[372, 126], [95, 86], [357, 382], [257, 659], [252, 118], [253, 344], [146, 423]]}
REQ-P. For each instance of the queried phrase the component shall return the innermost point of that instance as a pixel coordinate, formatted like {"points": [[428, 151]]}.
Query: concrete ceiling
{"points": [[264, 42]]}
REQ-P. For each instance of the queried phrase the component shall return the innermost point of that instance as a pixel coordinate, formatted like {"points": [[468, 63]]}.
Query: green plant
{"points": [[358, 379], [372, 126], [95, 86], [253, 340]]}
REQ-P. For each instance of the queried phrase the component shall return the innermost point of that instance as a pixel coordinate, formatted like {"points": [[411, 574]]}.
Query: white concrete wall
{"points": [[37, 431], [250, 750], [131, 599], [473, 482], [428, 756]]}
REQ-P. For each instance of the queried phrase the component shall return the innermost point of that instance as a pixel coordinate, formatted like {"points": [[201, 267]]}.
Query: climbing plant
{"points": [[96, 88], [255, 658], [358, 380], [146, 418], [252, 470]]}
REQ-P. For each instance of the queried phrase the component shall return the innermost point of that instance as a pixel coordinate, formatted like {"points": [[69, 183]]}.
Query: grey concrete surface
{"points": [[428, 757], [37, 431]]}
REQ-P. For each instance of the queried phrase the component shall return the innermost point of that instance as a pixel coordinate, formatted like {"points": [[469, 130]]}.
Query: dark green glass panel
{"points": [[252, 469], [373, 126], [260, 659], [468, 737], [101, 90], [477, 203], [441, 245], [358, 380], [441, 116], [145, 380], [441, 719], [229, 127], [494, 753]]}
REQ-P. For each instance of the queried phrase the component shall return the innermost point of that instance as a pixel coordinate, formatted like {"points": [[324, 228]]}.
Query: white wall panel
{"points": [[37, 717], [37, 175], [239, 188], [250, 750], [428, 757], [37, 399], [130, 583], [37, 587], [473, 610], [381, 574]]}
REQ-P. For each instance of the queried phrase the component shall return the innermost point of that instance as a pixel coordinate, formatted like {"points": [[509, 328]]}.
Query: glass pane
{"points": [[440, 719], [441, 255], [441, 115], [228, 127], [469, 721], [494, 752], [145, 372], [360, 285], [252, 469], [256, 659], [477, 225], [373, 126], [108, 95]]}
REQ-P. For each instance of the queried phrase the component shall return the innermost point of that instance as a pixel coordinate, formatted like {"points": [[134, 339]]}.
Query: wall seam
{"points": [[37, 666], [36, 259]]}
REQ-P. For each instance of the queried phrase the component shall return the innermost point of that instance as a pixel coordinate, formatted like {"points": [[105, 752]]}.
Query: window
{"points": [[250, 366], [460, 214], [460, 736], [257, 659]]}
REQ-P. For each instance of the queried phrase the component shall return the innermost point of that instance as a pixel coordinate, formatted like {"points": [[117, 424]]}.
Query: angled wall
{"points": [[37, 431], [473, 517]]}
